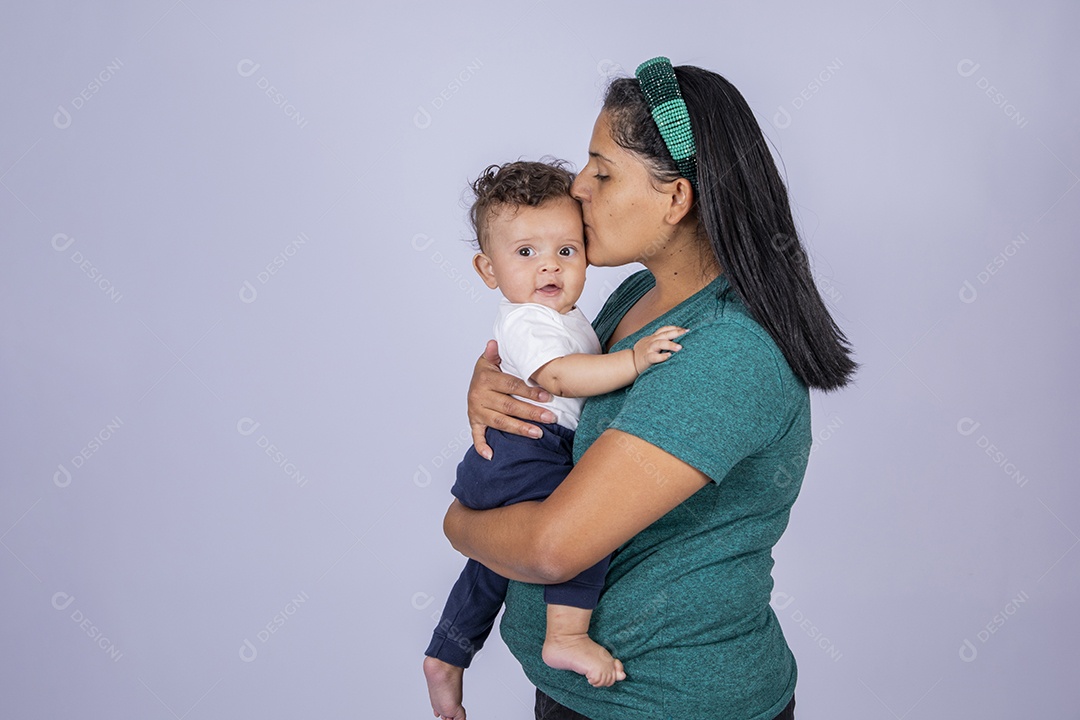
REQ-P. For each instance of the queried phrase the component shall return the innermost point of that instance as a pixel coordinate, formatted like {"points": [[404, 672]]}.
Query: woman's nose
{"points": [[577, 189]]}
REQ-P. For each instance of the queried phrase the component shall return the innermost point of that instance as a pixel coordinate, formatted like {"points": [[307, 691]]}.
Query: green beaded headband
{"points": [[661, 90]]}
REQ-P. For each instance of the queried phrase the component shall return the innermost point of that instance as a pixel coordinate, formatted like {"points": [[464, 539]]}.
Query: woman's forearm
{"points": [[620, 486], [506, 540]]}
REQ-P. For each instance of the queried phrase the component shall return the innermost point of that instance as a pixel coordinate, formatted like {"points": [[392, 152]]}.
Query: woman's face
{"points": [[623, 211]]}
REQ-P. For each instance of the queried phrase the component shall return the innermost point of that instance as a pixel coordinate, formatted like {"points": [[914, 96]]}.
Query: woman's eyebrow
{"points": [[605, 159]]}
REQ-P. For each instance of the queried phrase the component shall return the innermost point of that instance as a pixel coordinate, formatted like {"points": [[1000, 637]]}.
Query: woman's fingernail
{"points": [[536, 433], [545, 396]]}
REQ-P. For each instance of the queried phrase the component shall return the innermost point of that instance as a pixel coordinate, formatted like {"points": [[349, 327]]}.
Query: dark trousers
{"points": [[548, 709], [520, 469]]}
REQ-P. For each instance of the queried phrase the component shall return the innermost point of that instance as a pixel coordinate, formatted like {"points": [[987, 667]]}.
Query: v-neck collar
{"points": [[646, 283]]}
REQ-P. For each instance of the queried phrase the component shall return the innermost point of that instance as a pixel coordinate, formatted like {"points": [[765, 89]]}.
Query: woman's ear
{"points": [[483, 267], [682, 200]]}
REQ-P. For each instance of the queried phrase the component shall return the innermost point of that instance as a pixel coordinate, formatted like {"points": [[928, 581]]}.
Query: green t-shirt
{"points": [[686, 601]]}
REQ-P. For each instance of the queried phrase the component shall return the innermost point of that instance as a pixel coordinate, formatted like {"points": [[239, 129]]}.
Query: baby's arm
{"points": [[585, 375]]}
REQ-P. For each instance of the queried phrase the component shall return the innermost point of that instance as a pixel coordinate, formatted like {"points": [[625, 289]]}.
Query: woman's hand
{"points": [[491, 404]]}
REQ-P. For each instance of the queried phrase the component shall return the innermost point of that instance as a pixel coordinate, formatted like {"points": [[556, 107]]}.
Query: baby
{"points": [[531, 240]]}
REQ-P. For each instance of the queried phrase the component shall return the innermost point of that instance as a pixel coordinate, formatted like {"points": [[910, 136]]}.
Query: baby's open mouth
{"points": [[550, 288]]}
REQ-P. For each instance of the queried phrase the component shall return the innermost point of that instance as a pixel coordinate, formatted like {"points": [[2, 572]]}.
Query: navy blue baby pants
{"points": [[521, 469]]}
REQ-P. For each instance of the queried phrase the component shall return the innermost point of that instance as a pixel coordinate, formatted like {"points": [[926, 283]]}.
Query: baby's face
{"points": [[536, 254]]}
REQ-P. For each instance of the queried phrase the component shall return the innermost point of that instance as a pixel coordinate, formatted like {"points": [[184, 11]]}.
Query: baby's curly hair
{"points": [[516, 184]]}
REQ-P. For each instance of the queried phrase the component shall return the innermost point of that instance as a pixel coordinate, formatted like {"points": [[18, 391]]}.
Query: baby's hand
{"points": [[647, 350]]}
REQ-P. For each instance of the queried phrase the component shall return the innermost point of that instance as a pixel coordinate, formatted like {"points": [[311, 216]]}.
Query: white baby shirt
{"points": [[531, 335]]}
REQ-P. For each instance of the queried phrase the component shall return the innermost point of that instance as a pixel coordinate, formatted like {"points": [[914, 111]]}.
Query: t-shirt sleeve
{"points": [[711, 404], [531, 336]]}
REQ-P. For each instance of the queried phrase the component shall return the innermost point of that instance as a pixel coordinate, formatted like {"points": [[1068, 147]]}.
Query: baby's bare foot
{"points": [[444, 688], [584, 656]]}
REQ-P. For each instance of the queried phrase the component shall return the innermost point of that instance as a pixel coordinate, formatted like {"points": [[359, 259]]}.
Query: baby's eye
{"points": [[567, 251], [525, 251]]}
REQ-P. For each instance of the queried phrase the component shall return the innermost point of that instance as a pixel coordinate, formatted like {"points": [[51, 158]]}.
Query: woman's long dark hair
{"points": [[742, 208]]}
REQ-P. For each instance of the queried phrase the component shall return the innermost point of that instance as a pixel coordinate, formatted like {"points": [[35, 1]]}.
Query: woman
{"points": [[688, 476]]}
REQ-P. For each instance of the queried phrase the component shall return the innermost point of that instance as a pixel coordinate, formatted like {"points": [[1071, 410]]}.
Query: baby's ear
{"points": [[484, 268]]}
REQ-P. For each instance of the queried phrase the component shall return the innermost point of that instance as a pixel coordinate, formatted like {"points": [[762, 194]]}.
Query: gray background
{"points": [[240, 320]]}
